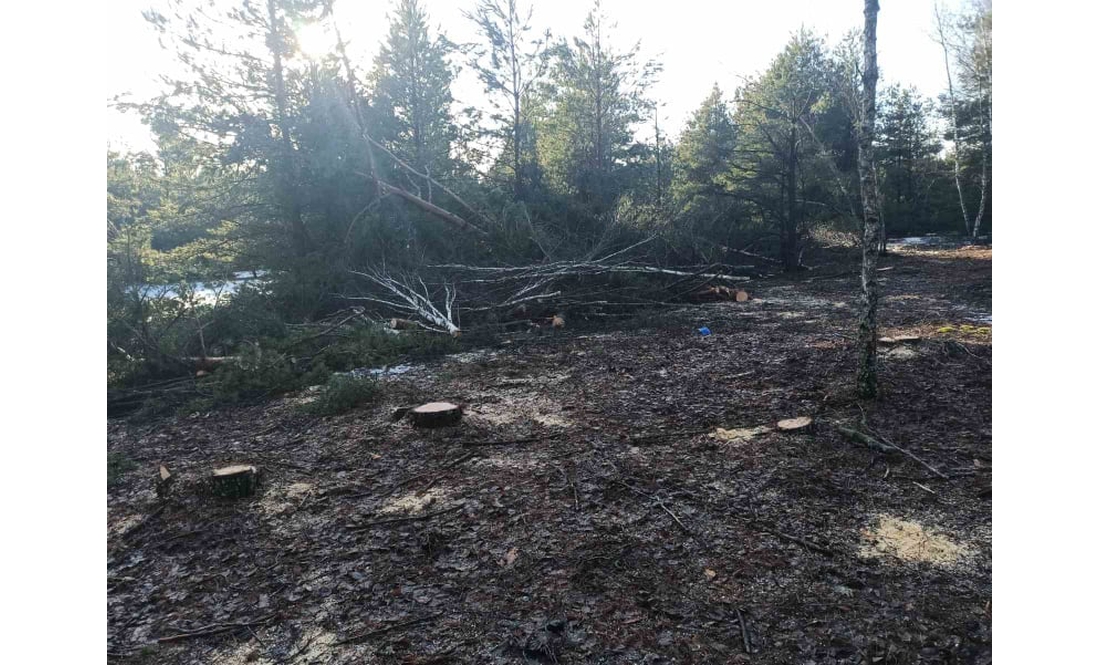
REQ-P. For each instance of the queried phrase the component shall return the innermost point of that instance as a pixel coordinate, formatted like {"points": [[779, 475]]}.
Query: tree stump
{"points": [[741, 295], [800, 424], [435, 414], [234, 482], [164, 482], [899, 339]]}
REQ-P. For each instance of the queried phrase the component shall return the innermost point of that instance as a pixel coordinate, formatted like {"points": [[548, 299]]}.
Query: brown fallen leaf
{"points": [[710, 573], [509, 557]]}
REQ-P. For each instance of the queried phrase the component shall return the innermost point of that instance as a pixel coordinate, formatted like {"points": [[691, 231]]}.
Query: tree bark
{"points": [[789, 238], [867, 377]]}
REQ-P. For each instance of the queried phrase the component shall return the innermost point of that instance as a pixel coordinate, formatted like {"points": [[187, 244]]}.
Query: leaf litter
{"points": [[518, 540]]}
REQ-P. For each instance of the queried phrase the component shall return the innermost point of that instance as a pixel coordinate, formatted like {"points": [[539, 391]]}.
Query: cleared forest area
{"points": [[614, 492]]}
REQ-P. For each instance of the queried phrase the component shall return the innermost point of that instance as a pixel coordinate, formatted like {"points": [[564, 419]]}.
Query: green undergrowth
{"points": [[342, 394]]}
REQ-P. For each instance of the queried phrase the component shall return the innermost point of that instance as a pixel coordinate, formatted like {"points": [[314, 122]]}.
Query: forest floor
{"points": [[585, 511]]}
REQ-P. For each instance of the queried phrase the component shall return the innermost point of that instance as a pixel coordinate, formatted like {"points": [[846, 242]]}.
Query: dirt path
{"points": [[608, 526]]}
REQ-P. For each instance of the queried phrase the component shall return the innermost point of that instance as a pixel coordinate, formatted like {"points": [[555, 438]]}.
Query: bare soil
{"points": [[584, 511]]}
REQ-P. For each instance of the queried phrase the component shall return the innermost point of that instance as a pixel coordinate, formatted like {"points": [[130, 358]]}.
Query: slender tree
{"points": [[510, 63], [867, 376], [969, 106]]}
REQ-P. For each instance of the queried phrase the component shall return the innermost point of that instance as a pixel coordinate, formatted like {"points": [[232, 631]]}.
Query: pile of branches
{"points": [[439, 297]]}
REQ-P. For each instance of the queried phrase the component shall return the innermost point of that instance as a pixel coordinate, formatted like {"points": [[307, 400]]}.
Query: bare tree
{"points": [[867, 377]]}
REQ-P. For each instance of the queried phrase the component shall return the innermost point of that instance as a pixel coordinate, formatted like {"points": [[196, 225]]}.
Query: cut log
{"points": [[436, 414], [403, 324], [898, 339], [741, 295], [800, 424], [558, 321], [235, 482]]}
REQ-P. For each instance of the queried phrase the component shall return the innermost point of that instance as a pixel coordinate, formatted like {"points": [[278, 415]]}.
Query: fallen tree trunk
{"points": [[432, 209]]}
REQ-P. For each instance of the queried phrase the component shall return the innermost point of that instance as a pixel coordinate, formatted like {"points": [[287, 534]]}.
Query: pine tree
{"points": [[785, 118], [510, 64], [906, 147], [413, 83], [706, 149], [597, 96]]}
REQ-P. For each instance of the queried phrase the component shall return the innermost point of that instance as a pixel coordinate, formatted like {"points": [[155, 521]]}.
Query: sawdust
{"points": [[279, 499], [514, 409], [910, 541], [412, 503], [515, 462], [740, 435], [900, 353]]}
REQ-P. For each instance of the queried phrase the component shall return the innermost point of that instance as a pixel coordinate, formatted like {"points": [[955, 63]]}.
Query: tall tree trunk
{"points": [[954, 118], [867, 376], [788, 241], [657, 131], [986, 149], [289, 168], [517, 177]]}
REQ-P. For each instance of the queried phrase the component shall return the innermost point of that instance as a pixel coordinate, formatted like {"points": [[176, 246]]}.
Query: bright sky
{"points": [[700, 42]]}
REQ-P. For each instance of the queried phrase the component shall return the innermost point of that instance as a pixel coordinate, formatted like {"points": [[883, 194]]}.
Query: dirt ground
{"points": [[588, 510]]}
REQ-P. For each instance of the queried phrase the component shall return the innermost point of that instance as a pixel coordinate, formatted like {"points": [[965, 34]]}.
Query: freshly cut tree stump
{"points": [[164, 482], [800, 424], [899, 339], [741, 295], [235, 482], [435, 414]]}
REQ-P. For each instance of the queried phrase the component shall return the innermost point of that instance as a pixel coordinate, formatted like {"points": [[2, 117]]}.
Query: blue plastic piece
{"points": [[704, 331]]}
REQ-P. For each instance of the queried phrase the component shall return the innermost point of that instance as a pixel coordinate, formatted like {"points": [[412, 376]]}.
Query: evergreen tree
{"points": [[792, 137], [706, 149], [510, 64], [907, 146], [413, 84], [597, 96]]}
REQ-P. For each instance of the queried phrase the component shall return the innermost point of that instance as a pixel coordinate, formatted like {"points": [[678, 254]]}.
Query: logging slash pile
{"points": [[450, 298]]}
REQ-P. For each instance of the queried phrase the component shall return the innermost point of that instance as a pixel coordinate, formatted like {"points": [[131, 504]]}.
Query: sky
{"points": [[699, 42]]}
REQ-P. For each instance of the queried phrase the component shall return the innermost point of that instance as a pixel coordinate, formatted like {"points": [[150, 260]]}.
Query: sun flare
{"points": [[315, 41]]}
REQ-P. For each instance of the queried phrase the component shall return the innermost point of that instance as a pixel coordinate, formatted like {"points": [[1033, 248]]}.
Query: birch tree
{"points": [[969, 108], [867, 377]]}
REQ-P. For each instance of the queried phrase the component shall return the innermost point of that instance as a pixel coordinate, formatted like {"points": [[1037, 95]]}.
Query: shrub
{"points": [[343, 393]]}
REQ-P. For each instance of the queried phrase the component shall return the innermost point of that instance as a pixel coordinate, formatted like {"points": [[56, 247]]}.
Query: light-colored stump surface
{"points": [[435, 414], [800, 424], [898, 339], [239, 480]]}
